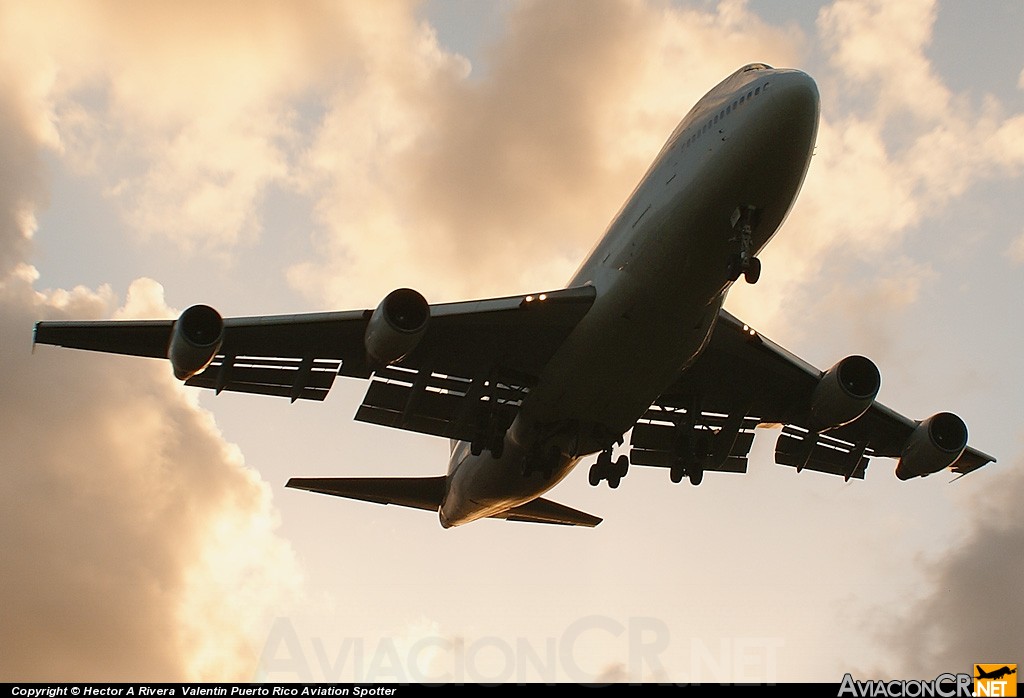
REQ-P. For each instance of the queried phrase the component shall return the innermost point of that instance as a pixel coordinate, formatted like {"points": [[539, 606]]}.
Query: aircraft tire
{"points": [[753, 272]]}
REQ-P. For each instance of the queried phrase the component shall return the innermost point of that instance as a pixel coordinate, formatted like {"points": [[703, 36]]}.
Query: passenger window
{"points": [[757, 91]]}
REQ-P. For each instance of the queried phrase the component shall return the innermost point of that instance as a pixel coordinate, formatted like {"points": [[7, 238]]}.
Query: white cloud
{"points": [[138, 545], [473, 187], [879, 47], [969, 611]]}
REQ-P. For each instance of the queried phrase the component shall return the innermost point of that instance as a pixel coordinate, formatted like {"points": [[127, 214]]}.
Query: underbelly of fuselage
{"points": [[660, 291], [661, 283]]}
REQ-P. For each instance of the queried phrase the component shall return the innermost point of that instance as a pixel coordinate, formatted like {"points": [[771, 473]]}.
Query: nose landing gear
{"points": [[744, 220]]}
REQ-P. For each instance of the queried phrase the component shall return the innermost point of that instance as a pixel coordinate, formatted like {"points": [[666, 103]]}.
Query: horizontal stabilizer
{"points": [[416, 492], [542, 510]]}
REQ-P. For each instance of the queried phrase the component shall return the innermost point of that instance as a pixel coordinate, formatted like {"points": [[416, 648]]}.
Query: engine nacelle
{"points": [[396, 326], [196, 337], [844, 393], [935, 444]]}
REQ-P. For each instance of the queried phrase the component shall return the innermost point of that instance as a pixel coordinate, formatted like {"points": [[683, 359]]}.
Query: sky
{"points": [[267, 157]]}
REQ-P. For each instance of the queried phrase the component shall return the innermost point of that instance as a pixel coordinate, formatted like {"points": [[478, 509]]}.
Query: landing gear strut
{"points": [[491, 436], [605, 469], [693, 449], [744, 220]]}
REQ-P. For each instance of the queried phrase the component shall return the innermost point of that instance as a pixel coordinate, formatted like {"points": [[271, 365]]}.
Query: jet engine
{"points": [[196, 337], [844, 393], [396, 326], [935, 444]]}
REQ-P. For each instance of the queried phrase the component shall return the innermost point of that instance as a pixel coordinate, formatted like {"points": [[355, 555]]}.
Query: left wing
{"points": [[830, 420], [439, 369]]}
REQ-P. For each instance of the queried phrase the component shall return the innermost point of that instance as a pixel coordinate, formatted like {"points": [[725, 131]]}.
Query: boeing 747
{"points": [[636, 344]]}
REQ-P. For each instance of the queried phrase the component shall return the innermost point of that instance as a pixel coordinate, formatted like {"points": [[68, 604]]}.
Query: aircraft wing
{"points": [[742, 381], [470, 352]]}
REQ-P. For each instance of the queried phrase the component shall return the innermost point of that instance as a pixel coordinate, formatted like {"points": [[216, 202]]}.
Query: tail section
{"points": [[427, 493]]}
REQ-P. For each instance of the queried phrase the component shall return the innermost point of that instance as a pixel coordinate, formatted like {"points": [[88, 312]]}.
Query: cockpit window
{"points": [[755, 66]]}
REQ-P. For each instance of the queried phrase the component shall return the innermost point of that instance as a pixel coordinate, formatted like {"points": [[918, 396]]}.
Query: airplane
{"points": [[996, 674], [638, 342]]}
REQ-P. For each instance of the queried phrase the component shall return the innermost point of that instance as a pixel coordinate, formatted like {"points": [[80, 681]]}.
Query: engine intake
{"points": [[935, 444], [844, 393], [196, 337], [396, 326]]}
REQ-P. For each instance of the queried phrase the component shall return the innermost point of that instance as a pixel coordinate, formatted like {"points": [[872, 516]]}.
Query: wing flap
{"points": [[801, 449], [305, 379], [667, 435]]}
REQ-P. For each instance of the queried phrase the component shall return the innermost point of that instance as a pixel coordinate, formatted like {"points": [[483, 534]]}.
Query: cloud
{"points": [[498, 183], [137, 545], [880, 49], [186, 112], [21, 178], [969, 611], [1016, 250]]}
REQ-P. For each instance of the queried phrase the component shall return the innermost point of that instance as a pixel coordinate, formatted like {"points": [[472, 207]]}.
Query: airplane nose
{"points": [[795, 95]]}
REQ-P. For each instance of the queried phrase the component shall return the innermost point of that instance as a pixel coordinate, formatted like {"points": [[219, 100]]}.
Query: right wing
{"points": [[743, 380], [472, 356]]}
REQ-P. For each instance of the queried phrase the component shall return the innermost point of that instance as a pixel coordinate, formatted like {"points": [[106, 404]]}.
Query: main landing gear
{"points": [[605, 469], [744, 220], [693, 470], [491, 436]]}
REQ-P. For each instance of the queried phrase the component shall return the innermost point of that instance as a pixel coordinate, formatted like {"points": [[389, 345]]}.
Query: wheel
{"points": [[676, 473], [613, 481], [753, 272], [475, 447], [622, 466], [696, 476], [595, 476]]}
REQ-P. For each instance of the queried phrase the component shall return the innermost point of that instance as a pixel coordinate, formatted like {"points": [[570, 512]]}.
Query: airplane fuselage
{"points": [[661, 272]]}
